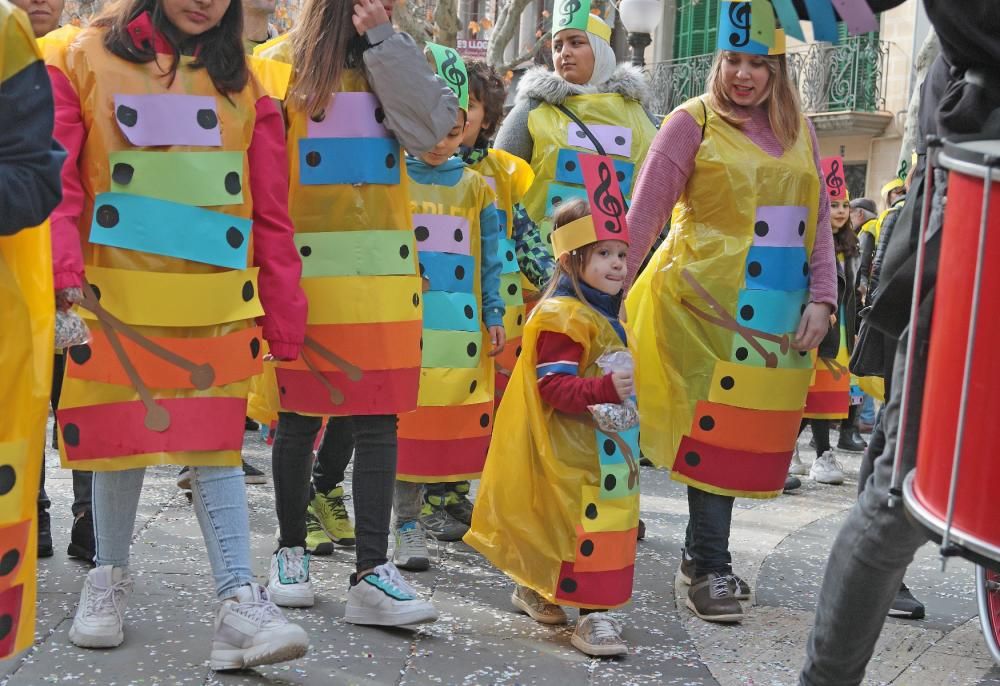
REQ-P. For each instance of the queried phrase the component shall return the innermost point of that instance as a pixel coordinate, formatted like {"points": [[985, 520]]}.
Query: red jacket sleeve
{"points": [[67, 257], [273, 248], [557, 367]]}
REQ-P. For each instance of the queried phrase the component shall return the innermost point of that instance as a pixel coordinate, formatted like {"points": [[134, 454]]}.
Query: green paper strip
{"points": [[762, 22], [357, 253], [570, 14], [451, 349], [510, 289], [203, 179]]}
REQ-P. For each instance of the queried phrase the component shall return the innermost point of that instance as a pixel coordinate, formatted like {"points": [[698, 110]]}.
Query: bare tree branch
{"points": [[446, 26], [526, 56], [508, 21]]}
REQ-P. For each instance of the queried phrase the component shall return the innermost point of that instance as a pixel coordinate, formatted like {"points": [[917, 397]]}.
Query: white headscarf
{"points": [[605, 62]]}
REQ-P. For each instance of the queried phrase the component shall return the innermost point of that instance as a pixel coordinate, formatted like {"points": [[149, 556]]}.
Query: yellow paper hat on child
{"points": [[606, 220]]}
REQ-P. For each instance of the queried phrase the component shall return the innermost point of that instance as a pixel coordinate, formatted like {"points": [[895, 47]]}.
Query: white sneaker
{"points": [[599, 634], [826, 469], [410, 551], [383, 598], [531, 603], [288, 582], [250, 630], [98, 622], [797, 467]]}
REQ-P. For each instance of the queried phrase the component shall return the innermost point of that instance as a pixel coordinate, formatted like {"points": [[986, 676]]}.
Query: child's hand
{"points": [[624, 383], [368, 14], [813, 326], [498, 340]]}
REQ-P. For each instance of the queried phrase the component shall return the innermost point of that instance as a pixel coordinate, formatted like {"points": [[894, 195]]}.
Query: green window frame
{"points": [[696, 27]]}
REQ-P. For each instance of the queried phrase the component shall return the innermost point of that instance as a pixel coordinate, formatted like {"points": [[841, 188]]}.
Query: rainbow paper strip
{"points": [[749, 387], [441, 233], [598, 514], [775, 312], [780, 226], [451, 349], [204, 179], [450, 312], [350, 115], [823, 20], [456, 386], [356, 253], [730, 468], [616, 140], [13, 468], [857, 15], [789, 18], [604, 551], [558, 194], [781, 269], [506, 251], [331, 161], [447, 272], [386, 391], [739, 428], [168, 119], [362, 299], [568, 170]]}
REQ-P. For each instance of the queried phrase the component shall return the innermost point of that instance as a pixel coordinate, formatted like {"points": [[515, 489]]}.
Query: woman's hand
{"points": [[813, 325], [368, 14], [624, 384], [498, 340]]}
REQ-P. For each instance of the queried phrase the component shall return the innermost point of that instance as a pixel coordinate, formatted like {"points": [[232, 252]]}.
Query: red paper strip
{"points": [[110, 430], [13, 541], [443, 460], [594, 589], [733, 470], [10, 615], [390, 391], [607, 205], [836, 403], [604, 551]]}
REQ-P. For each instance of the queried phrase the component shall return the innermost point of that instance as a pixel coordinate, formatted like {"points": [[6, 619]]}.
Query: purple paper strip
{"points": [[617, 140], [780, 226], [350, 115], [153, 120], [441, 233], [491, 182], [858, 15]]}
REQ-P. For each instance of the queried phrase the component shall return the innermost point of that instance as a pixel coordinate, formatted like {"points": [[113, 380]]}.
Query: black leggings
{"points": [[821, 428]]}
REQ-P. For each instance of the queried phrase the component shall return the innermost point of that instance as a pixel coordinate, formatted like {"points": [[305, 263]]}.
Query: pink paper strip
{"points": [[833, 174], [606, 202], [780, 226], [616, 140], [858, 16], [350, 115], [167, 119], [441, 233]]}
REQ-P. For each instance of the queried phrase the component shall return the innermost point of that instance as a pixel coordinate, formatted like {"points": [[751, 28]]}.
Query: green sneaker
{"points": [[317, 542], [331, 513]]}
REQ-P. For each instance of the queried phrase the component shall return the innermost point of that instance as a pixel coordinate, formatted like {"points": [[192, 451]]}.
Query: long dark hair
{"points": [[219, 50], [846, 241]]}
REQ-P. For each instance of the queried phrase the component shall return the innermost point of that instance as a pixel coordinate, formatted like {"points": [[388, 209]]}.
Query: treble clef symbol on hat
{"points": [[739, 15], [568, 10], [833, 181], [607, 201], [451, 73]]}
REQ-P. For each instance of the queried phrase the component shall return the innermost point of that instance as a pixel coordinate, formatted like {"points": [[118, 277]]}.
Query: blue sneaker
{"points": [[383, 598]]}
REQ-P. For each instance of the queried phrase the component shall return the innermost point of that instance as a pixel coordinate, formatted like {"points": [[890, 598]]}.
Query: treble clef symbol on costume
{"points": [[451, 73], [739, 16], [568, 11], [607, 201], [833, 181]]}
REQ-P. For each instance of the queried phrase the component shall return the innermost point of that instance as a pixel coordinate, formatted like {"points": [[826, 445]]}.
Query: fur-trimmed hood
{"points": [[539, 83]]}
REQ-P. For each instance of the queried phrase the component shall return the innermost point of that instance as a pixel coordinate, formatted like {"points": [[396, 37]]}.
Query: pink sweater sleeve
{"points": [[69, 130], [822, 263], [273, 248], [664, 175]]}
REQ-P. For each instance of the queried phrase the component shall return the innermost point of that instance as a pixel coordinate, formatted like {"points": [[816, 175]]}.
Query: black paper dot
{"points": [[8, 477], [6, 624], [484, 421], [587, 548], [512, 289], [761, 228], [379, 115], [390, 161], [754, 269], [802, 228], [621, 176], [556, 200], [8, 562], [459, 272], [803, 353], [122, 173], [727, 382], [97, 291], [609, 447], [580, 134], [520, 319], [248, 291], [416, 299], [80, 354], [469, 312], [305, 251], [313, 158], [319, 116], [742, 354], [591, 511], [254, 347], [610, 482], [567, 585], [620, 140], [517, 351], [471, 349], [805, 269], [233, 185], [207, 119], [404, 251], [423, 269], [570, 165], [706, 423], [283, 390], [746, 312], [71, 434], [234, 237], [421, 342], [458, 235], [472, 386], [127, 115], [692, 458], [509, 255], [107, 216], [422, 233]]}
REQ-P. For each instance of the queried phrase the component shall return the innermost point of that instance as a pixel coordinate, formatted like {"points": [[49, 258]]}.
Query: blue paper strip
{"points": [[823, 19], [448, 272], [450, 311], [776, 312], [789, 18], [559, 193], [780, 269], [568, 170], [610, 453], [327, 161], [502, 221], [507, 252], [161, 227]]}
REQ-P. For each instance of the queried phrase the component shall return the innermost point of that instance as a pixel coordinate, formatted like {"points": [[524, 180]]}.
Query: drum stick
{"points": [[353, 373], [336, 397]]}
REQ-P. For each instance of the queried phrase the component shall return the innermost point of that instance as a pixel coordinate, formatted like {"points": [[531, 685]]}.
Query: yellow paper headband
{"points": [[573, 236], [891, 186], [597, 27]]}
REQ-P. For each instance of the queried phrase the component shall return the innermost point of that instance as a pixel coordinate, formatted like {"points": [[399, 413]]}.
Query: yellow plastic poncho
{"points": [[558, 504], [26, 368], [714, 312]]}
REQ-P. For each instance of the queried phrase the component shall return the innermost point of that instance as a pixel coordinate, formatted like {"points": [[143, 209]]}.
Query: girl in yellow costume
{"points": [[29, 189], [730, 304], [174, 235], [558, 505], [589, 104]]}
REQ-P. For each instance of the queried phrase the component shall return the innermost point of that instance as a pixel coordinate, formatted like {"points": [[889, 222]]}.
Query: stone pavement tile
{"points": [[898, 645], [958, 659]]}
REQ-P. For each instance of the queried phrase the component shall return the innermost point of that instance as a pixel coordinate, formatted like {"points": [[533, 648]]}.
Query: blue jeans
{"points": [[707, 536], [220, 503], [867, 414]]}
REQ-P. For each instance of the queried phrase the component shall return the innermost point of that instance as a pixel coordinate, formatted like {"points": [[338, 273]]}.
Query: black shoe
{"points": [[44, 534], [81, 538], [905, 606], [251, 425], [252, 475], [850, 441], [184, 479], [640, 531], [791, 483], [646, 462]]}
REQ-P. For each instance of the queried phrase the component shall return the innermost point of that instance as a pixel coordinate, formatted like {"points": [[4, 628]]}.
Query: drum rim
{"points": [[958, 537], [956, 157]]}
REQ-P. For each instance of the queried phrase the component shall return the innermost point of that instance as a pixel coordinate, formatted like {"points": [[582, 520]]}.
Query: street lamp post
{"points": [[640, 18]]}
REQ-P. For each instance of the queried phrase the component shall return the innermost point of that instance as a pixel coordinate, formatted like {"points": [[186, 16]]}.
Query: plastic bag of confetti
{"points": [[616, 417]]}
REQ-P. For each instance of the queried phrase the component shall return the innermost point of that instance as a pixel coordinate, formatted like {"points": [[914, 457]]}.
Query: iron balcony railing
{"points": [[849, 76]]}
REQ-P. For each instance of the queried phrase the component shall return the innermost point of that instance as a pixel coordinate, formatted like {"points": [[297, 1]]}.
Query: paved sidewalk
{"points": [[780, 546]]}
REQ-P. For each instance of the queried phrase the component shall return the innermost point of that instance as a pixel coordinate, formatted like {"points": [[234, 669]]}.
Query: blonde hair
{"points": [[570, 211], [782, 102]]}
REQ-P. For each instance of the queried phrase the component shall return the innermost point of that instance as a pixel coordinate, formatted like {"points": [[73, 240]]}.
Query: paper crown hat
{"points": [[891, 186], [749, 27], [449, 66], [606, 220], [576, 14], [833, 174]]}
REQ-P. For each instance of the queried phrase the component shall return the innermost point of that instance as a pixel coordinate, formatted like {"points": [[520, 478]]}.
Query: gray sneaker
{"points": [[711, 599], [410, 551], [599, 634], [437, 520], [250, 630], [535, 606]]}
